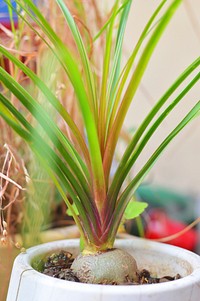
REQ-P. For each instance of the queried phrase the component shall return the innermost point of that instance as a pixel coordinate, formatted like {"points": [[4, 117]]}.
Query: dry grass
{"points": [[12, 180]]}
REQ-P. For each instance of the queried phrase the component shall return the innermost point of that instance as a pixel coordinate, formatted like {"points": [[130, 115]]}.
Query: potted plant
{"points": [[80, 163]]}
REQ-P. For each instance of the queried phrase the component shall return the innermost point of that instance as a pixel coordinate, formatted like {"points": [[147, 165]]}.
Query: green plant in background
{"points": [[81, 166]]}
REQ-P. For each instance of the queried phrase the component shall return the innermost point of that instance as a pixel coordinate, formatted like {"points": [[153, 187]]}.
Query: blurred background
{"points": [[172, 188]]}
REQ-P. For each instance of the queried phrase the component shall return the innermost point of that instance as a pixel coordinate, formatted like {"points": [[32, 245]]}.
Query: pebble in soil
{"points": [[58, 265]]}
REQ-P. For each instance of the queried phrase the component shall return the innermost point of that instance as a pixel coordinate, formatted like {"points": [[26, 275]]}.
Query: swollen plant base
{"points": [[115, 266], [161, 259]]}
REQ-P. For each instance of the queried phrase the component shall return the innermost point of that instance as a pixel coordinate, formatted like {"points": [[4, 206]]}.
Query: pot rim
{"points": [[25, 260]]}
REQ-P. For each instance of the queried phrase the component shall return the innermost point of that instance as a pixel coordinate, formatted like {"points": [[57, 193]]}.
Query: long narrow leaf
{"points": [[105, 77], [107, 23], [9, 118], [51, 160], [83, 54], [126, 71], [72, 69], [53, 132], [134, 83], [115, 72], [148, 135], [124, 198], [129, 157], [55, 103]]}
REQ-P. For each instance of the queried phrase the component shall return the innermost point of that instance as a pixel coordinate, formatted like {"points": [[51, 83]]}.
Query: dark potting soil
{"points": [[58, 265]]}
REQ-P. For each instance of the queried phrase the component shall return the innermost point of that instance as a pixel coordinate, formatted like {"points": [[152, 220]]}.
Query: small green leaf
{"points": [[134, 209], [69, 212]]}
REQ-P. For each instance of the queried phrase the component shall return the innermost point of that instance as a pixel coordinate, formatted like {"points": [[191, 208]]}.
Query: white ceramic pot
{"points": [[27, 284]]}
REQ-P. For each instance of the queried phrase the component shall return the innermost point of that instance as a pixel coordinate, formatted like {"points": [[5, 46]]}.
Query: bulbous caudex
{"points": [[114, 266]]}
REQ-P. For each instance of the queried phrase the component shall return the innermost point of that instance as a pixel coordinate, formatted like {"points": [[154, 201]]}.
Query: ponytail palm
{"points": [[96, 200]]}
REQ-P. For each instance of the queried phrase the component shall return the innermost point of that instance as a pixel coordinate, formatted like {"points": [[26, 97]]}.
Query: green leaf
{"points": [[58, 139], [139, 141], [75, 210], [115, 71], [52, 163], [54, 102], [134, 209], [128, 66], [134, 83], [107, 23], [105, 79], [72, 67], [133, 185], [83, 54]]}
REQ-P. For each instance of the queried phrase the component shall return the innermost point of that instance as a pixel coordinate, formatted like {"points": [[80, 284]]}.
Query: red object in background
{"points": [[161, 225], [7, 25], [5, 16]]}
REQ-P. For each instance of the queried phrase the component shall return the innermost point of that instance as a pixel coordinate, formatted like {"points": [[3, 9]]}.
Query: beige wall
{"points": [[179, 166]]}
